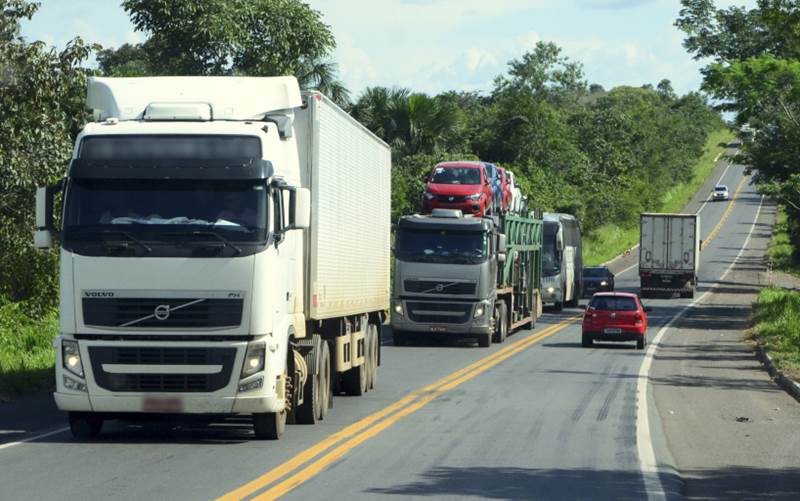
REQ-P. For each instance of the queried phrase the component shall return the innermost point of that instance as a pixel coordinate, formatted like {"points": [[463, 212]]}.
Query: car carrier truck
{"points": [[669, 254], [224, 250], [466, 276]]}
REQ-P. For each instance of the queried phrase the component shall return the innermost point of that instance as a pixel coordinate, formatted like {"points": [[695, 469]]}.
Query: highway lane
{"points": [[551, 419]]}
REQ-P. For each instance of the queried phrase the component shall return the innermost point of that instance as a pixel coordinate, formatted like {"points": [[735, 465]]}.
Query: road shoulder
{"points": [[731, 431]]}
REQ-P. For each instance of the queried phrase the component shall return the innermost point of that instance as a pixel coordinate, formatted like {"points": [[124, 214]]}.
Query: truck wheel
{"points": [[269, 425], [587, 341], [374, 344], [355, 379], [501, 328], [308, 412], [399, 338], [325, 381], [84, 425]]}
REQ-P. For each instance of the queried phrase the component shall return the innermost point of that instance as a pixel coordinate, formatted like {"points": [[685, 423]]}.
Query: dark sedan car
{"points": [[597, 279]]}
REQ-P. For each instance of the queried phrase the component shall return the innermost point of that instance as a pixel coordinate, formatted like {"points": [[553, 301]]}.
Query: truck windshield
{"points": [[166, 211], [551, 264], [456, 175], [441, 246]]}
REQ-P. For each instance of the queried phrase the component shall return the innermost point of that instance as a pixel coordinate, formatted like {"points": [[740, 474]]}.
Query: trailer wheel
{"points": [[84, 425], [374, 347], [308, 412], [355, 380], [269, 425], [501, 328], [325, 381]]}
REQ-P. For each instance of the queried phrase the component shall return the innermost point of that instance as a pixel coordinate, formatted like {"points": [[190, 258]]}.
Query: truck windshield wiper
{"points": [[209, 233], [105, 231]]}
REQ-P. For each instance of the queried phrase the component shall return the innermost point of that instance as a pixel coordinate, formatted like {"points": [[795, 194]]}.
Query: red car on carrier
{"points": [[615, 316], [458, 185]]}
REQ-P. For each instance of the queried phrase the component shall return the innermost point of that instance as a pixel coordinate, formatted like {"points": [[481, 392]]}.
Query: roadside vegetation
{"points": [[604, 155], [776, 316], [781, 251]]}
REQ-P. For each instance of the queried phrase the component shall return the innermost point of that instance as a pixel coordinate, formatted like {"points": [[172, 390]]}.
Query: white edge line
{"points": [[35, 437], [648, 465]]}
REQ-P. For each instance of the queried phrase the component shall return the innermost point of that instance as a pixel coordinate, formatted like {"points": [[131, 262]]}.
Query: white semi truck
{"points": [[224, 250], [669, 254]]}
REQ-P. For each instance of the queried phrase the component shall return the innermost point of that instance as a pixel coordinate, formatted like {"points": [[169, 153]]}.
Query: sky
{"points": [[438, 45]]}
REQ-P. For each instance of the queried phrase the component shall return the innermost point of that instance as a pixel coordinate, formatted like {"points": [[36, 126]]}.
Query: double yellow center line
{"points": [[350, 437]]}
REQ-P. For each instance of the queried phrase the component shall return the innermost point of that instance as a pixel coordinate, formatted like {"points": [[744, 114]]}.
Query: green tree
{"points": [[229, 37], [42, 107]]}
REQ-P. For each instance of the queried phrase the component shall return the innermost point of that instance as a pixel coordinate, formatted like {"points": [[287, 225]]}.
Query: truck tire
{"points": [[355, 380], [501, 327], [269, 425], [586, 341], [84, 425], [399, 338], [374, 348], [309, 411], [326, 390]]}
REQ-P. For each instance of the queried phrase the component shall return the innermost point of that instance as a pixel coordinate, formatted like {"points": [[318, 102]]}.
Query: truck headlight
{"points": [[254, 359], [398, 308], [603, 283], [479, 311], [71, 357], [551, 290]]}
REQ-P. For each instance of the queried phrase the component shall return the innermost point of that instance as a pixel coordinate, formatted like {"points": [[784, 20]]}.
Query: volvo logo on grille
{"points": [[161, 312], [439, 287]]}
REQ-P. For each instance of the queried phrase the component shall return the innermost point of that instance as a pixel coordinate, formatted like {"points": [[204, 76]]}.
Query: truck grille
{"points": [[141, 312], [439, 313], [439, 287], [188, 383]]}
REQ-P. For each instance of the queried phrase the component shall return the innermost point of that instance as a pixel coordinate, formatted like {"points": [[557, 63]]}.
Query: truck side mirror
{"points": [[45, 230], [299, 209]]}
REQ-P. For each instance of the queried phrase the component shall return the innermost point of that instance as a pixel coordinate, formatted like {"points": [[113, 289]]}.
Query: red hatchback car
{"points": [[458, 185], [615, 316], [506, 189]]}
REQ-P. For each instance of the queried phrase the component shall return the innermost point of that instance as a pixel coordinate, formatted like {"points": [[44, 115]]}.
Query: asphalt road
{"points": [[535, 418]]}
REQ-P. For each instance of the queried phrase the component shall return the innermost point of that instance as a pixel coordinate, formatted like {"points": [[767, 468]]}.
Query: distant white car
{"points": [[720, 192]]}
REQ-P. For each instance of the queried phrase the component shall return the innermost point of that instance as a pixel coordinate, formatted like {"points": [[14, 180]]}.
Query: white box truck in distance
{"points": [[224, 250], [669, 254]]}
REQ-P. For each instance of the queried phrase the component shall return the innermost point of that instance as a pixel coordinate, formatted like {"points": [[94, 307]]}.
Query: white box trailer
{"points": [[233, 222], [349, 172], [669, 253]]}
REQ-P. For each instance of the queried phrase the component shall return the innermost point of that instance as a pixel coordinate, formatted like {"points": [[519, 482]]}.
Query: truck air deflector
{"points": [[233, 169]]}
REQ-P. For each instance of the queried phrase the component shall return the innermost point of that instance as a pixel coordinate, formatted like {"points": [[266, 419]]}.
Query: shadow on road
{"points": [[540, 483]]}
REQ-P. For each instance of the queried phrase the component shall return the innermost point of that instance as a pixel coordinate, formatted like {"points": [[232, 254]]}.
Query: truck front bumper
{"points": [[178, 403], [472, 326]]}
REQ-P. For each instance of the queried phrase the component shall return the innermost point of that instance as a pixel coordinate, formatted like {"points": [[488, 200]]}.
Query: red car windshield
{"points": [[456, 175], [611, 303]]}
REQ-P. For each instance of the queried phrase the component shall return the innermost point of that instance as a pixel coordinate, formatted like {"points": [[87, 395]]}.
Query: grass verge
{"points": [[776, 318], [26, 355], [780, 251], [610, 240]]}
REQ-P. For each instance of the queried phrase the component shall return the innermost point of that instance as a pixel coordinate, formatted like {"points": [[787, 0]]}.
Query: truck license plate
{"points": [[162, 404], [612, 330], [438, 328]]}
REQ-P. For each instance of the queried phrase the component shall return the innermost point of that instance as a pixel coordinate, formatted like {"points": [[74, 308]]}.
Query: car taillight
{"points": [[638, 318]]}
